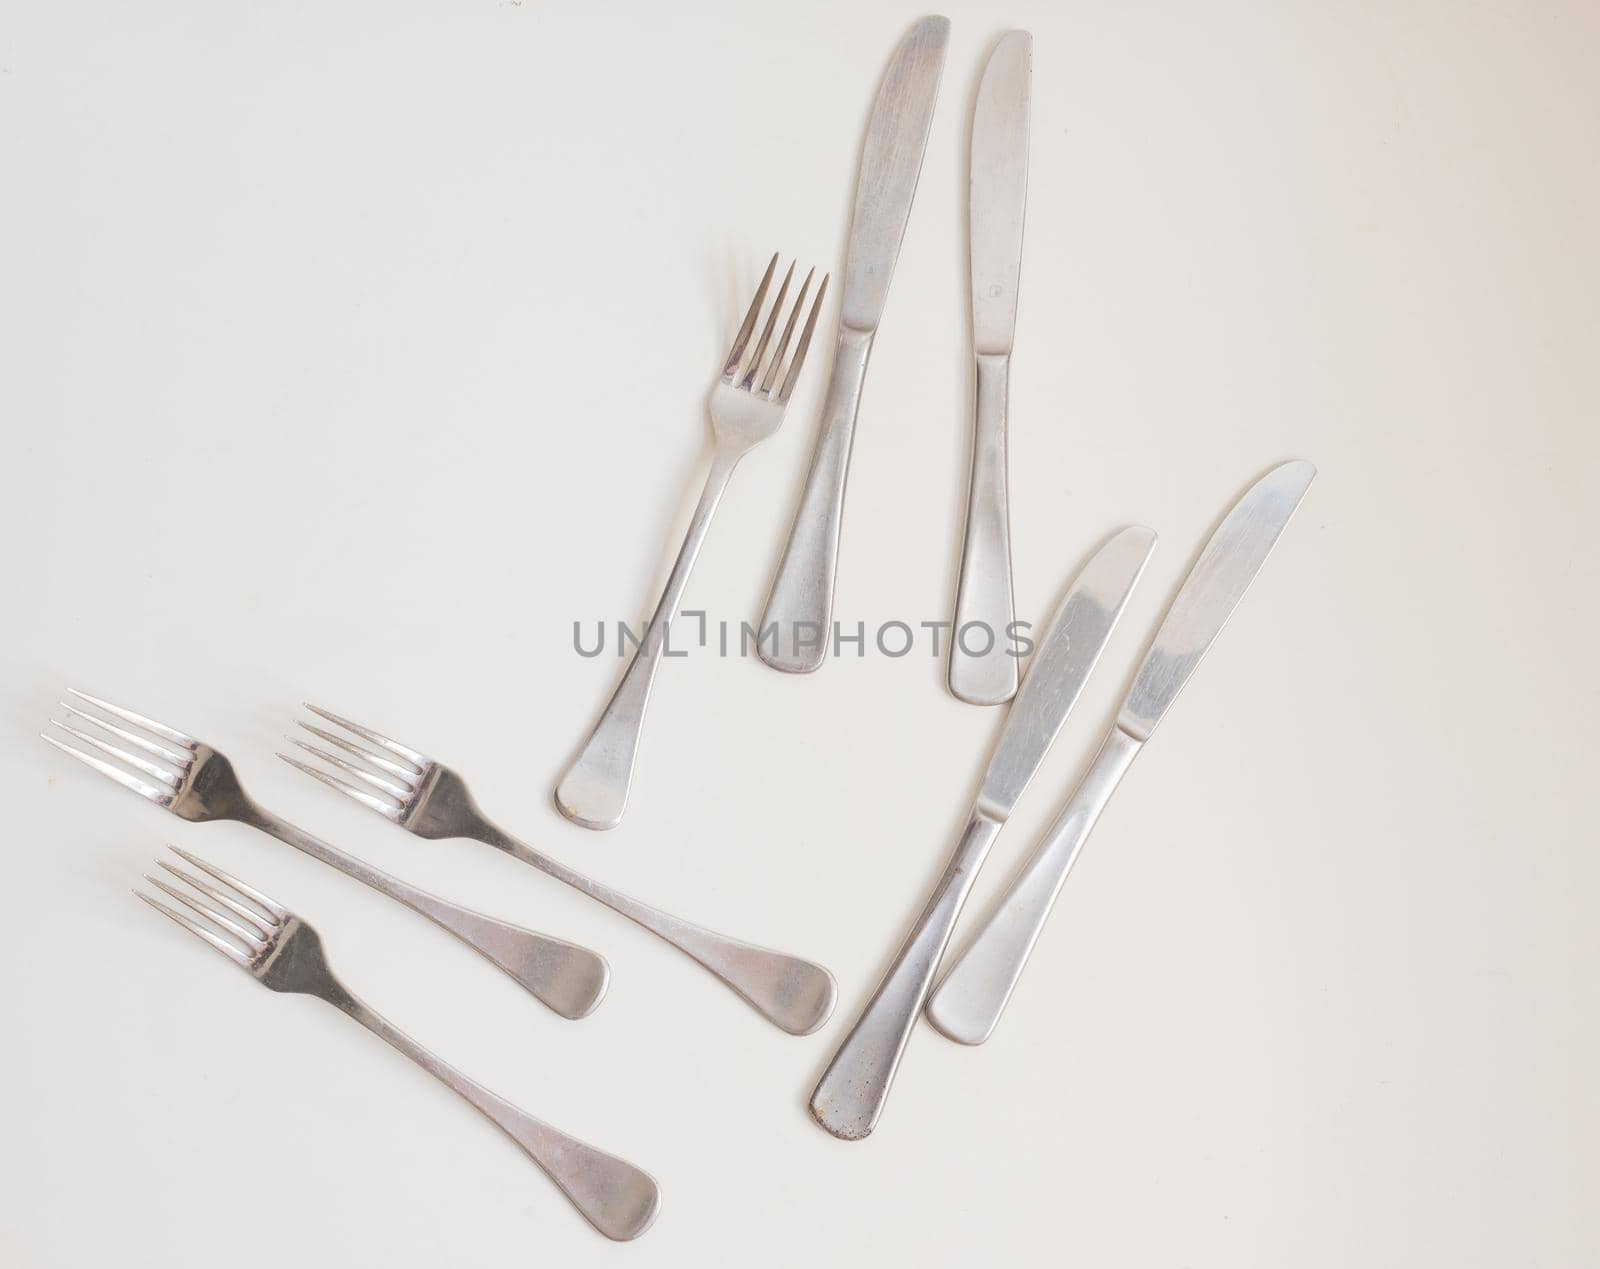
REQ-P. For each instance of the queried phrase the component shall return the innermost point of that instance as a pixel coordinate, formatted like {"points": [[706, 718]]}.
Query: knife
{"points": [[973, 995], [800, 604], [850, 1096], [982, 671]]}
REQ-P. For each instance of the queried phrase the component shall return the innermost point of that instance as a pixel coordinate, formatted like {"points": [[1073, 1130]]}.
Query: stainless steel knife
{"points": [[850, 1096], [801, 601], [982, 669], [971, 998]]}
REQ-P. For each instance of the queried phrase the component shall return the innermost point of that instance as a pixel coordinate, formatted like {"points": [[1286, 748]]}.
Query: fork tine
{"points": [[376, 781], [278, 912], [159, 796], [805, 343], [334, 782], [138, 720], [252, 941], [405, 774], [148, 745], [222, 945], [736, 353], [410, 755], [260, 924], [138, 764], [766, 331], [788, 329]]}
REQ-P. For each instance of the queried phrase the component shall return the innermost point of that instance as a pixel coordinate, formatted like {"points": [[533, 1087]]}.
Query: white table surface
{"points": [[355, 351]]}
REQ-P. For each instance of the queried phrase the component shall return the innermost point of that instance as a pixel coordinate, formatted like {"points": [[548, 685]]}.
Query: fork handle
{"points": [[795, 994], [593, 792], [802, 590], [615, 1197], [567, 978], [989, 675]]}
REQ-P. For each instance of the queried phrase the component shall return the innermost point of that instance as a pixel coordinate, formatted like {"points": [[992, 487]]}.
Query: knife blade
{"points": [[891, 161], [1068, 650], [968, 1003], [800, 604], [850, 1096], [1213, 589], [980, 671], [999, 190]]}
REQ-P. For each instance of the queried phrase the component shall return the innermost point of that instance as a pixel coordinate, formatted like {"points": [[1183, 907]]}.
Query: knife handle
{"points": [[801, 602], [987, 673], [850, 1096], [973, 995]]}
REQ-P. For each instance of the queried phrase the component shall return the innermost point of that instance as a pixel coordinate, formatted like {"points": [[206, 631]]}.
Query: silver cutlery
{"points": [[970, 999], [891, 160], [283, 952], [429, 799], [195, 782], [987, 674], [747, 405], [850, 1096]]}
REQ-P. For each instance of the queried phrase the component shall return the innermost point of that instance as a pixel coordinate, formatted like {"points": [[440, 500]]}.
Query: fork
{"points": [[745, 410], [196, 783], [283, 952], [429, 799]]}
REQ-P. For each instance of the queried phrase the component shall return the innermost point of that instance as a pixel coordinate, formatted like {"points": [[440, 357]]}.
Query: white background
{"points": [[353, 351]]}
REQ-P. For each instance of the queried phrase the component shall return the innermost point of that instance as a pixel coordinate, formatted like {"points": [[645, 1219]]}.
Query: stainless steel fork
{"points": [[196, 783], [283, 952], [429, 799], [746, 408]]}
